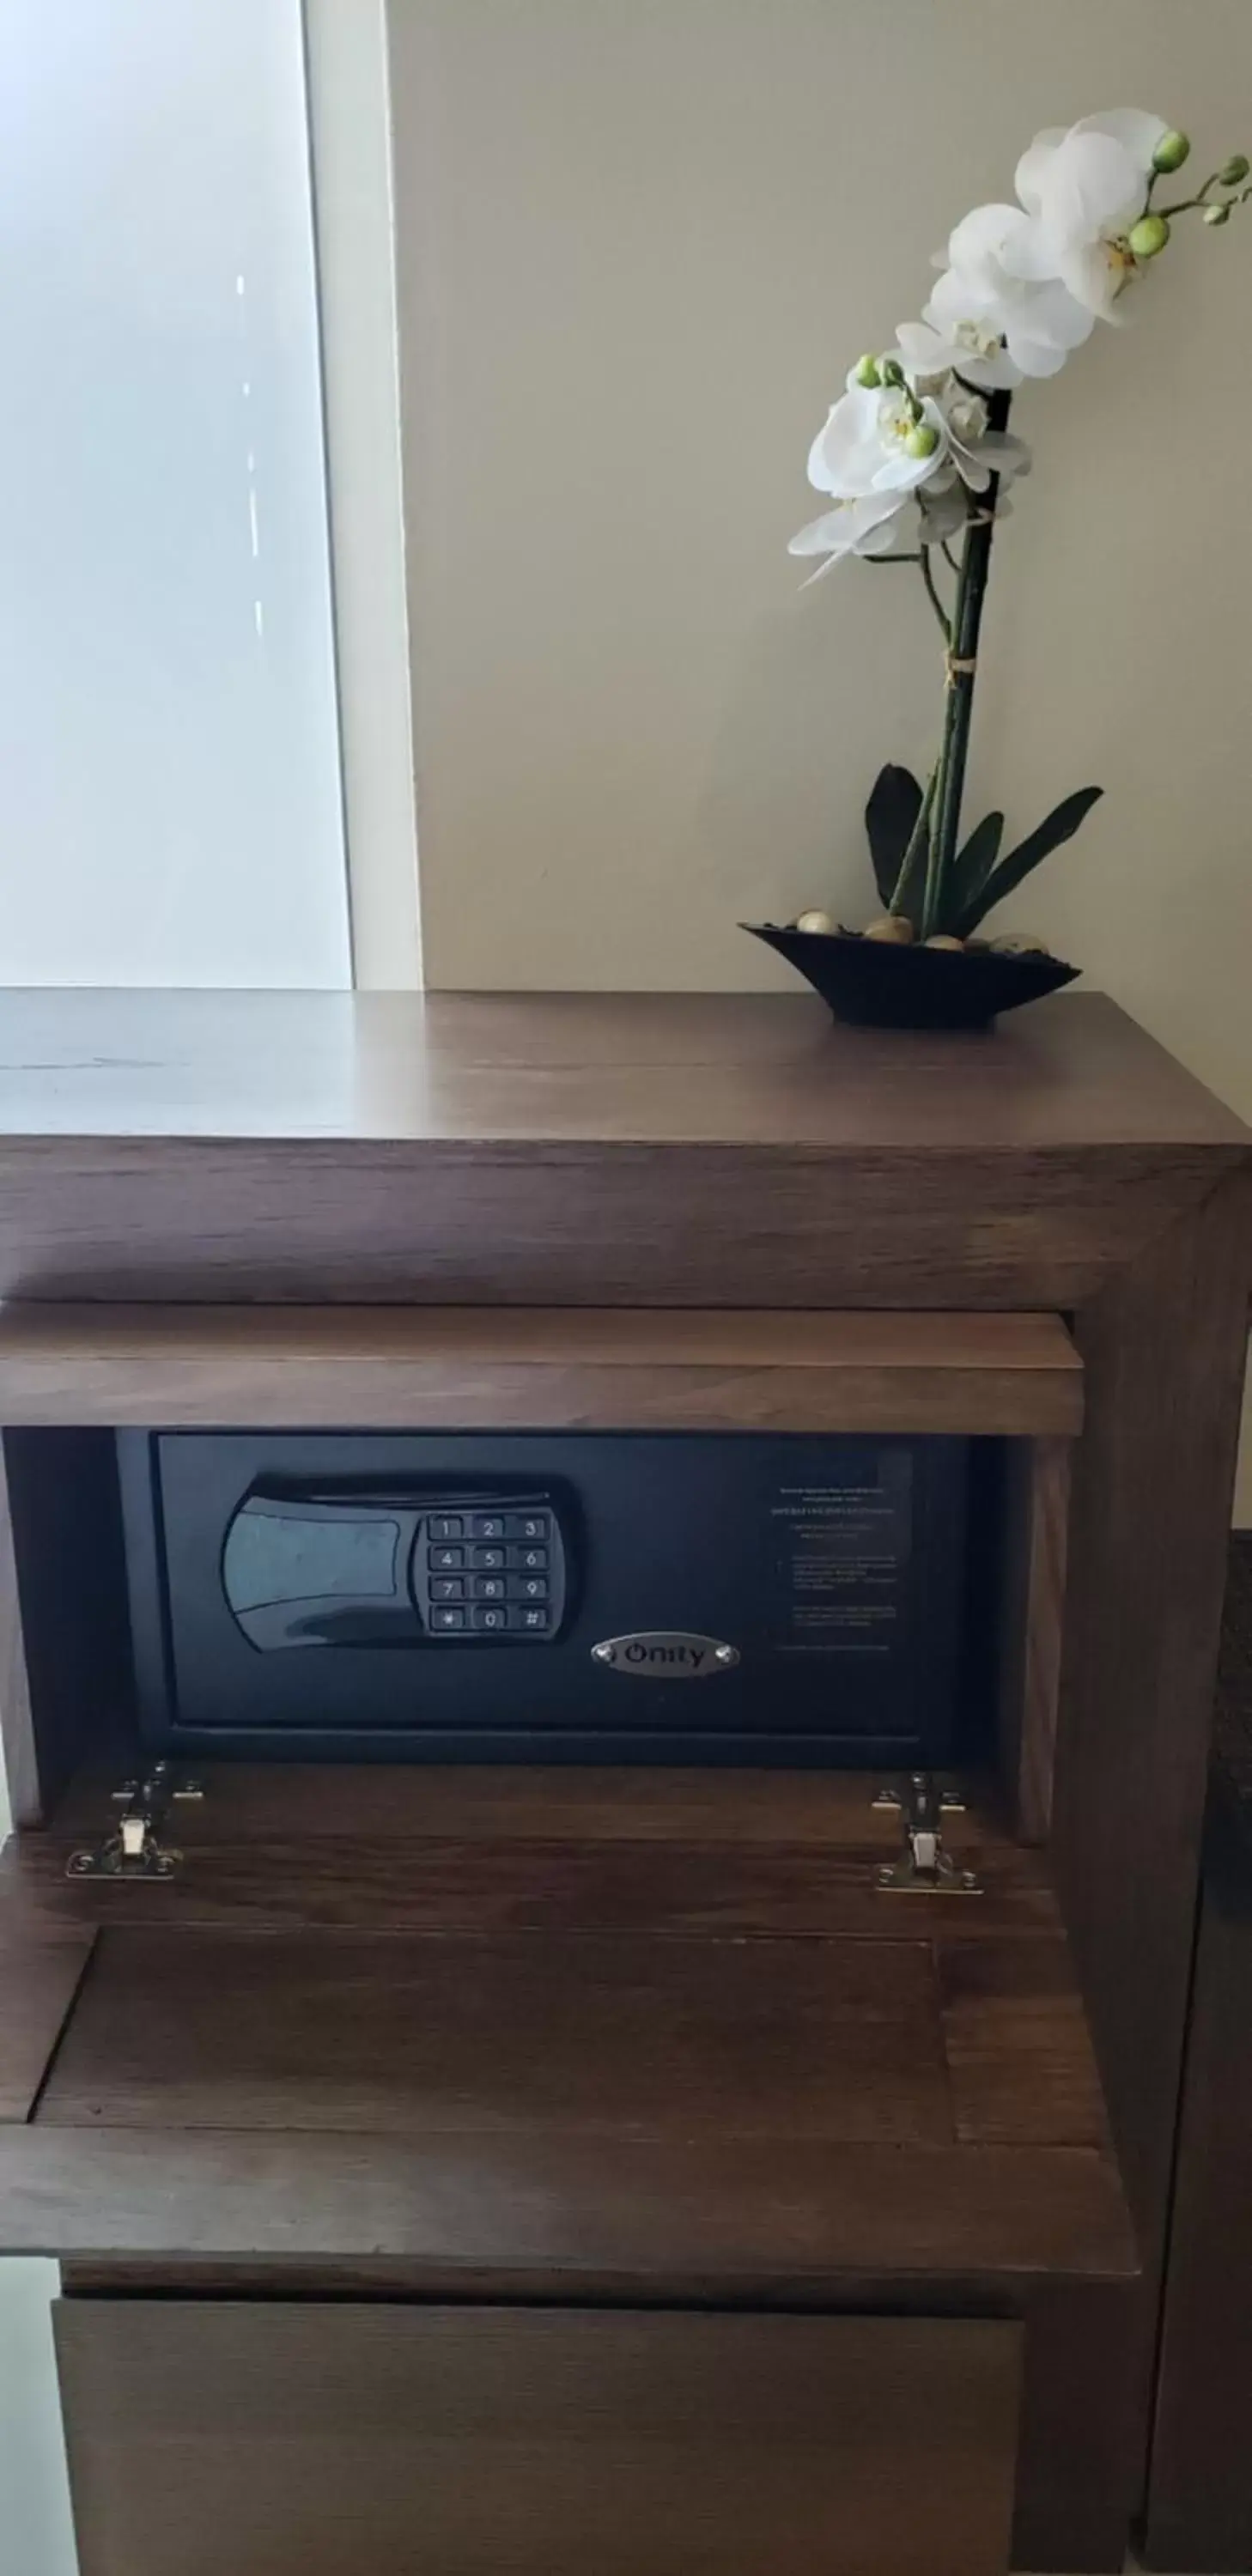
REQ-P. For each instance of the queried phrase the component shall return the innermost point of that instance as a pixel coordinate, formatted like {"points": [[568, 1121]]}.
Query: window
{"points": [[170, 795]]}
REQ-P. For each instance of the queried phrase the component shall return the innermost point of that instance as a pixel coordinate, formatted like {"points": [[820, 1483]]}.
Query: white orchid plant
{"points": [[917, 459]]}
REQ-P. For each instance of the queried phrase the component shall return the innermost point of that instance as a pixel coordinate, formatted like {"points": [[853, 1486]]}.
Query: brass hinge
{"points": [[924, 1867], [136, 1850]]}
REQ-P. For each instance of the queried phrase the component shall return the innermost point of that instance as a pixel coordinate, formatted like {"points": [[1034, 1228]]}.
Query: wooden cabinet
{"points": [[1200, 2493], [310, 2440], [604, 2171]]}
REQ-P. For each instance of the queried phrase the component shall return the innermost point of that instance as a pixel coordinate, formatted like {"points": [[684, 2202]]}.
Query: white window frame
{"points": [[354, 211]]}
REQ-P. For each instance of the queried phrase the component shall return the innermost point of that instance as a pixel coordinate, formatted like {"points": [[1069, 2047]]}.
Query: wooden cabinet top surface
{"points": [[585, 1068], [577, 1149]]}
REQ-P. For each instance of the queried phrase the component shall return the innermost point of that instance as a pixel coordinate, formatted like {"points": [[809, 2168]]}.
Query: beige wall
{"points": [[639, 241]]}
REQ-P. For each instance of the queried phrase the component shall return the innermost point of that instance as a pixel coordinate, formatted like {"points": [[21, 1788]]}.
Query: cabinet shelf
{"points": [[432, 1368]]}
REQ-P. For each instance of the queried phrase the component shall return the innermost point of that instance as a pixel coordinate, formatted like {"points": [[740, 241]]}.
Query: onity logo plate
{"points": [[666, 1655]]}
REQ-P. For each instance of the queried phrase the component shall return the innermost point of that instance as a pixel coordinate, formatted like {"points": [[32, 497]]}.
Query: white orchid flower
{"points": [[895, 517], [1084, 187], [870, 444], [862, 458], [976, 452], [985, 321], [867, 525]]}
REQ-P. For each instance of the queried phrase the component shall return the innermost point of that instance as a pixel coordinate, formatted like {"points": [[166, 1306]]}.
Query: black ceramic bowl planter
{"points": [[877, 983]]}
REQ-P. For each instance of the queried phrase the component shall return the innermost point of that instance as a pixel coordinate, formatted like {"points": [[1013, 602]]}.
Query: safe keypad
{"points": [[490, 1573]]}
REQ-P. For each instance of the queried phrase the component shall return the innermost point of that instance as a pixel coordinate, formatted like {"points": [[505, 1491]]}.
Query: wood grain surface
{"points": [[1200, 2493], [21, 1754], [615, 2038], [719, 1068], [691, 2013], [40, 1972], [314, 2442], [1153, 1478], [667, 1150], [704, 2222], [511, 1369], [1036, 1498], [414, 1850]]}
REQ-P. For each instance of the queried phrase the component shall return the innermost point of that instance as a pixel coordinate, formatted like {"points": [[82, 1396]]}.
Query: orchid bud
{"points": [[1149, 236], [867, 372], [1216, 215], [1172, 150], [892, 372], [922, 440], [1233, 172]]}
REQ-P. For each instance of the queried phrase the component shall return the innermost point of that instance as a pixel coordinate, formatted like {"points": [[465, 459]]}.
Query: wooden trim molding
{"points": [[518, 1369]]}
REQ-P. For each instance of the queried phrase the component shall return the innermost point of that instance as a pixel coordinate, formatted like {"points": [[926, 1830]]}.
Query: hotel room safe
{"points": [[612, 1596]]}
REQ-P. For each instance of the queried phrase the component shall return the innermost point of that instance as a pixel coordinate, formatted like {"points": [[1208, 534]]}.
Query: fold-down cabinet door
{"points": [[310, 2440]]}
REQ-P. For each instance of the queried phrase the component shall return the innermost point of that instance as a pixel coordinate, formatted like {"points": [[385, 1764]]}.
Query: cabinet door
{"points": [[319, 2440]]}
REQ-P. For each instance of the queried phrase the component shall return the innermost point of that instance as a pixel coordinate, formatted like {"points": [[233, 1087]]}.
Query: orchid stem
{"points": [[933, 595], [958, 710]]}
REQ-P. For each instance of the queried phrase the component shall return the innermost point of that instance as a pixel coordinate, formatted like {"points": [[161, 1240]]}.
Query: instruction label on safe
{"points": [[841, 1558]]}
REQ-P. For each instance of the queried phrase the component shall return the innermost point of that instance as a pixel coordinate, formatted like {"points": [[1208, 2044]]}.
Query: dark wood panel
{"points": [[1036, 1528], [1153, 1478], [1081, 2454], [307, 1222], [40, 1973], [675, 2221], [1019, 2058], [18, 1749], [1165, 1350], [497, 1803], [613, 2038], [65, 1678], [514, 1369], [549, 1887], [1200, 2495], [375, 1147], [291, 2442]]}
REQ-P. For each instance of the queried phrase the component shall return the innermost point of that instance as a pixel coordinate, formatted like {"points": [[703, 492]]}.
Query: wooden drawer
{"points": [[331, 2440]]}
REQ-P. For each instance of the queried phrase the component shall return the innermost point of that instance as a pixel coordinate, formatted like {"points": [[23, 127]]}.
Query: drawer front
{"points": [[322, 2440]]}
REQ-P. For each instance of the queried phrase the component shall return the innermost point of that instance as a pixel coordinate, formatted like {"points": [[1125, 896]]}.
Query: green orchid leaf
{"points": [[890, 815], [910, 890], [971, 868], [1057, 827]]}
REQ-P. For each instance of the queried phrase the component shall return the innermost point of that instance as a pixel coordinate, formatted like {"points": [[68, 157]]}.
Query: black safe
{"points": [[593, 1596]]}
